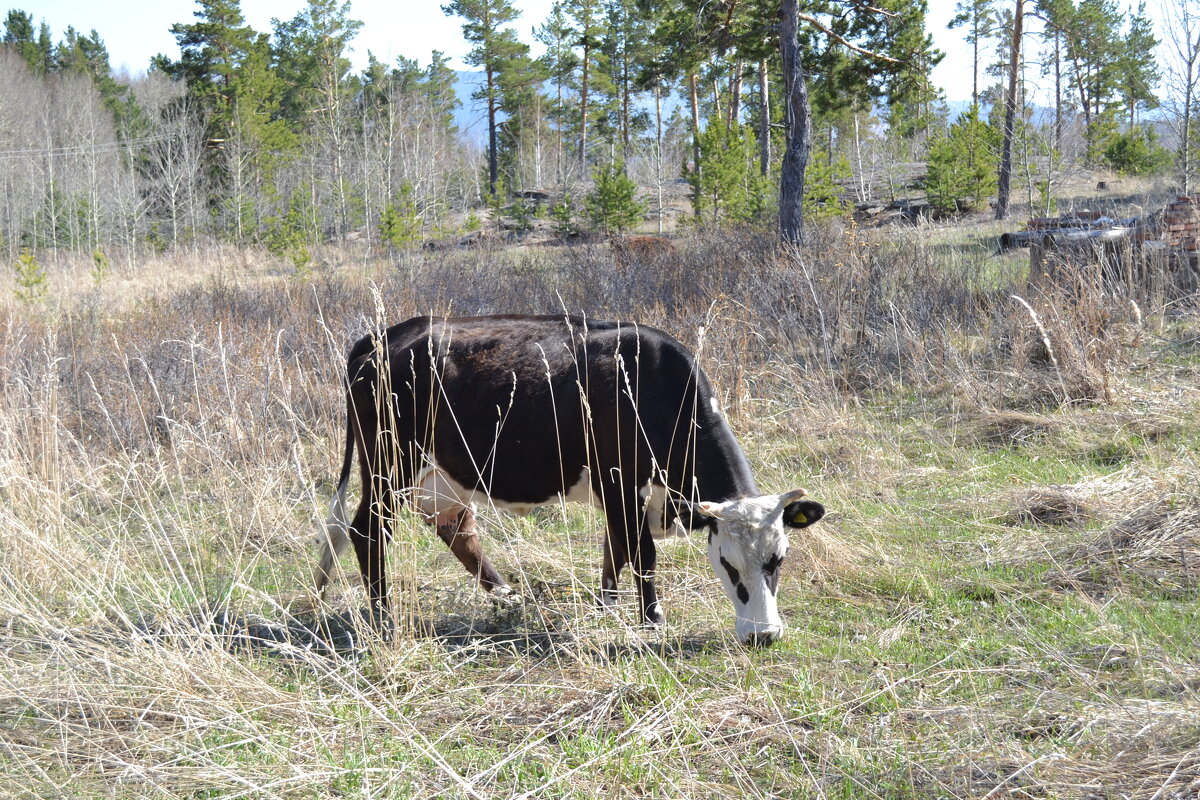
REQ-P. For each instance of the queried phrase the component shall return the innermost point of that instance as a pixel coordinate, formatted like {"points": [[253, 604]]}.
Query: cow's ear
{"points": [[695, 516], [802, 513]]}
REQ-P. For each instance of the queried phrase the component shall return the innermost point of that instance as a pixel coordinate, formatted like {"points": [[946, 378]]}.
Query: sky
{"points": [[135, 30]]}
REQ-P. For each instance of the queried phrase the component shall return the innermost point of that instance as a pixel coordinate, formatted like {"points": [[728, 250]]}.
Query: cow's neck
{"points": [[722, 471]]}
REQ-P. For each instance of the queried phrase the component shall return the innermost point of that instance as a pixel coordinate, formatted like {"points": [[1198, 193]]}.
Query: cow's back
{"points": [[525, 407]]}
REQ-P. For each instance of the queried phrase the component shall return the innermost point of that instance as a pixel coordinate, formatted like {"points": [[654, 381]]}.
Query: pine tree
{"points": [[822, 185], [259, 140], [18, 34], [438, 88], [400, 222], [212, 50], [1004, 178], [31, 282], [1093, 47], [979, 18], [612, 205], [962, 166], [312, 52], [588, 18], [560, 63], [728, 185], [288, 236], [624, 45], [1137, 70], [519, 134], [494, 46]]}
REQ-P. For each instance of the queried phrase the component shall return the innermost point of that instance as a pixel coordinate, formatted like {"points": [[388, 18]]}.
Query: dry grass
{"points": [[167, 442]]}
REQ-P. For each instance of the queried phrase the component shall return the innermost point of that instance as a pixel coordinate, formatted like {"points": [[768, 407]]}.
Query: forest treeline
{"points": [[273, 138]]}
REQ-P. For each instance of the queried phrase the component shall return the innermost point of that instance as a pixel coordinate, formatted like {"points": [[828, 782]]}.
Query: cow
{"points": [[523, 411]]}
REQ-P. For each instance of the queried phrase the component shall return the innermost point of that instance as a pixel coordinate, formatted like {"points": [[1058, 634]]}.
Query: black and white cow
{"points": [[523, 411]]}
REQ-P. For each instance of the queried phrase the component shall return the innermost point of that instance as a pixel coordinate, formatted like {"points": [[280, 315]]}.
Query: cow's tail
{"points": [[336, 535]]}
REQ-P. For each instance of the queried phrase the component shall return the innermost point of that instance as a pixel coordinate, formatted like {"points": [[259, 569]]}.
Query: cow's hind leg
{"points": [[457, 530], [615, 558], [381, 469], [369, 536]]}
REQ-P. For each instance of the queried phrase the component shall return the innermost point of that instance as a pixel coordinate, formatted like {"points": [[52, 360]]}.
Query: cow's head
{"points": [[747, 544]]}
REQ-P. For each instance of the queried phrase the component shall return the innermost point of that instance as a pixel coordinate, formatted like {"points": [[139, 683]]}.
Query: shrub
{"points": [[31, 278], [1135, 152], [728, 185], [100, 267], [962, 166], [611, 205], [822, 197], [562, 214], [400, 223], [288, 236]]}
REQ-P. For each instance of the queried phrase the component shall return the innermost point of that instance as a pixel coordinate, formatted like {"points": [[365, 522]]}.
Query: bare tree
{"points": [[1181, 38], [173, 169], [20, 180]]}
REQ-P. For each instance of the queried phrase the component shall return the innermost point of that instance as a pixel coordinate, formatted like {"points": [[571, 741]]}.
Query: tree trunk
{"points": [[493, 162], [583, 104], [798, 127], [735, 94], [1083, 98], [764, 120], [625, 93], [558, 153], [694, 98], [975, 61], [1185, 148], [1058, 98], [658, 161], [1010, 115]]}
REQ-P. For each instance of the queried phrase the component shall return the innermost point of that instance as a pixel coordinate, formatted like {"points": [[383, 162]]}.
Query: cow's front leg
{"points": [[457, 530], [644, 559]]}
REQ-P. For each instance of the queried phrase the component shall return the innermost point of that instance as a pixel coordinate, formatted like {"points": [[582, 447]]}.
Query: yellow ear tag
{"points": [[800, 518]]}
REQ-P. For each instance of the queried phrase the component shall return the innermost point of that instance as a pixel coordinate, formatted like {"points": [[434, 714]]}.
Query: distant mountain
{"points": [[1041, 114]]}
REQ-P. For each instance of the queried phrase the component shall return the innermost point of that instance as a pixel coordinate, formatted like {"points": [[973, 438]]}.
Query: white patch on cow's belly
{"points": [[435, 493], [714, 405], [654, 501]]}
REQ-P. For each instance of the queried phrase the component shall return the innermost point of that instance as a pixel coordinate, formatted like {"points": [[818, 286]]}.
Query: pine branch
{"points": [[825, 29]]}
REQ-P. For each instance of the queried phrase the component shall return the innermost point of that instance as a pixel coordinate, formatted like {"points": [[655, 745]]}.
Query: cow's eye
{"points": [[773, 564]]}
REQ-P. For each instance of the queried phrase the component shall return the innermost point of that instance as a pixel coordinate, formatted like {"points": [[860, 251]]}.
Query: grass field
{"points": [[1002, 601]]}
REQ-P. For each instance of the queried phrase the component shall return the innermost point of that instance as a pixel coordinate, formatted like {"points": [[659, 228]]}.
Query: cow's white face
{"points": [[747, 546]]}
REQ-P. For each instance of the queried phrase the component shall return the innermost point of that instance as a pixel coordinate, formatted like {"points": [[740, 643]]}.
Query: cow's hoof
{"points": [[505, 597], [606, 601], [653, 617], [379, 621]]}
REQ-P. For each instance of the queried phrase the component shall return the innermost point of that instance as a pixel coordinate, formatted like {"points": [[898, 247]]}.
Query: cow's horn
{"points": [[791, 497]]}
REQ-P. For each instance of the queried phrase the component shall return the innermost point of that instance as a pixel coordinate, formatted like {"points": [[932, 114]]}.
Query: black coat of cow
{"points": [[520, 411]]}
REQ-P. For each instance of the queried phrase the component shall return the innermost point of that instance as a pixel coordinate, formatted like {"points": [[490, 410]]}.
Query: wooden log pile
{"points": [[1074, 219]]}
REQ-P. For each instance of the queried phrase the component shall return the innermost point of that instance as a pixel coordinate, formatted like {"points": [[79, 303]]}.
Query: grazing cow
{"points": [[523, 411], [633, 251]]}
